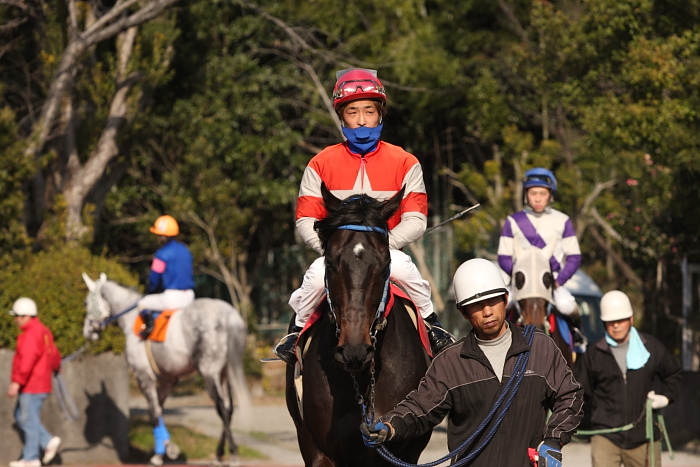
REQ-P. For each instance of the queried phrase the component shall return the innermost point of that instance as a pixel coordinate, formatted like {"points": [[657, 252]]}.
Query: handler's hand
{"points": [[13, 390], [548, 456], [658, 401], [375, 434]]}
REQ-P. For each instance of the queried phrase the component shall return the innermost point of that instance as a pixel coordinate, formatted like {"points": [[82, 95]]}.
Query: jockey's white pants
{"points": [[169, 299], [404, 273]]}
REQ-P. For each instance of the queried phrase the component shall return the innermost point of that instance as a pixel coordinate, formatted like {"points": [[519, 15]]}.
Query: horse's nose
{"points": [[354, 358]]}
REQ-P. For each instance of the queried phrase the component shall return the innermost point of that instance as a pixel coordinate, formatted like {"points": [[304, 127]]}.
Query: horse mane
{"points": [[354, 210], [115, 292]]}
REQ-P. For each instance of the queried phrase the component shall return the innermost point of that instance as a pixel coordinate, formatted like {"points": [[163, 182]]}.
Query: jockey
{"points": [[171, 281], [541, 226], [363, 164]]}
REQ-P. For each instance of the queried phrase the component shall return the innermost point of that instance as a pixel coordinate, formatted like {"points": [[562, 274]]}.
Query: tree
{"points": [[87, 79]]}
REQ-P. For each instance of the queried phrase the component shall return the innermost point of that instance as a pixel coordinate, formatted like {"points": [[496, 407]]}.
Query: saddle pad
{"points": [[160, 326]]}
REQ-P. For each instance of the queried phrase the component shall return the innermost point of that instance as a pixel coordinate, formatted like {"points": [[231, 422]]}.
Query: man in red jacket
{"points": [[36, 358]]}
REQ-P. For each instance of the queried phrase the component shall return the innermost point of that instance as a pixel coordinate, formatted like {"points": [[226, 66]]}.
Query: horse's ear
{"points": [[392, 204], [103, 277], [89, 282], [329, 200]]}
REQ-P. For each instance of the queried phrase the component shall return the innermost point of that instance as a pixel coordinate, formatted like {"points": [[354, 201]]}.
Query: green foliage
{"points": [[53, 280], [14, 172]]}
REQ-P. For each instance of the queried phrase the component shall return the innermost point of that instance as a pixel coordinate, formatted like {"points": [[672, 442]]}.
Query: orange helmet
{"points": [[165, 225], [357, 83]]}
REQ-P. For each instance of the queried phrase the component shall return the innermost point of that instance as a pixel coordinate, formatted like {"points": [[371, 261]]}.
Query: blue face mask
{"points": [[362, 140]]}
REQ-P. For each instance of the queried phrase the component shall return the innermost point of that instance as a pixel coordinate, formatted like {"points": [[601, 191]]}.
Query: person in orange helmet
{"points": [[171, 281]]}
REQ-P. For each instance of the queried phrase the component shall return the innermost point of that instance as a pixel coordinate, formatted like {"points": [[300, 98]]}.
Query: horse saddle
{"points": [[160, 325], [305, 335]]}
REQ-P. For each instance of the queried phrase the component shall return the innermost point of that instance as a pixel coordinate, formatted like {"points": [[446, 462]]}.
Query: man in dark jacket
{"points": [[36, 358], [618, 373], [464, 382]]}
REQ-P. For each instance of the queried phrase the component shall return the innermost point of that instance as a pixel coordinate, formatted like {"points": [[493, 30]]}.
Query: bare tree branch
{"points": [[588, 203], [62, 82], [616, 235], [513, 18], [627, 271]]}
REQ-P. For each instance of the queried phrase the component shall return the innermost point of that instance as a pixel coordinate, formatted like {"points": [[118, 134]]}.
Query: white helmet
{"points": [[615, 305], [476, 280], [23, 307]]}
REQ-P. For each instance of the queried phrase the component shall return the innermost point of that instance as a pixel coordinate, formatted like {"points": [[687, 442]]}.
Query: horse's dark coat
{"points": [[328, 430]]}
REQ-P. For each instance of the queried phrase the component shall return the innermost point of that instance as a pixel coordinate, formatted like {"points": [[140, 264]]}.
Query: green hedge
{"points": [[53, 280]]}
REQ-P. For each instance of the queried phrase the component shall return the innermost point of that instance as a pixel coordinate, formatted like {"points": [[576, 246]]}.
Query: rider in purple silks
{"points": [[540, 226], [543, 227]]}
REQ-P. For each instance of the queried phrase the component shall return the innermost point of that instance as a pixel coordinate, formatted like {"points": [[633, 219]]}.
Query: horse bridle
{"points": [[379, 321], [97, 324]]}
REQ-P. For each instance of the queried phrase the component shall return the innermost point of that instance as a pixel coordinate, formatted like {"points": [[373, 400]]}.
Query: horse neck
{"points": [[120, 298]]}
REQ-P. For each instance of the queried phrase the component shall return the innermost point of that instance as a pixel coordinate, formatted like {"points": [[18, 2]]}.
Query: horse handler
{"points": [[36, 358], [620, 372], [469, 383]]}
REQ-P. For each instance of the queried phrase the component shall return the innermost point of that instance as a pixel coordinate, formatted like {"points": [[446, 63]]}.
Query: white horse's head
{"points": [[532, 276], [97, 308]]}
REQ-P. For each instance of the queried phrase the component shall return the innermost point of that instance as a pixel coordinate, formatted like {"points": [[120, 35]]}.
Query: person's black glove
{"points": [[375, 434]]}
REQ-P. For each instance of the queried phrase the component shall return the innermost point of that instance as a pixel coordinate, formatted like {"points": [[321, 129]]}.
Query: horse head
{"points": [[532, 285], [356, 246], [97, 308]]}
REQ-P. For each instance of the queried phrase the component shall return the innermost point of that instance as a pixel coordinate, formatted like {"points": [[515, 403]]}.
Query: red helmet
{"points": [[357, 83]]}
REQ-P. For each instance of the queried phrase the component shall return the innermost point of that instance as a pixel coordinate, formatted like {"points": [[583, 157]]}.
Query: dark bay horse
{"points": [[532, 286], [357, 360]]}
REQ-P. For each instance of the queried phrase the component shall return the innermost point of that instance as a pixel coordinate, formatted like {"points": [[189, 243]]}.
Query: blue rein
{"points": [[108, 320], [364, 228]]}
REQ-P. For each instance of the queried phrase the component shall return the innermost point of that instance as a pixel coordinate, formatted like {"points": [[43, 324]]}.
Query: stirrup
{"points": [[285, 348], [439, 339]]}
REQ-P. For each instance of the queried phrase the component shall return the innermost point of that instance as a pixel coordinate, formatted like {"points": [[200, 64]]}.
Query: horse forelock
{"points": [[357, 210]]}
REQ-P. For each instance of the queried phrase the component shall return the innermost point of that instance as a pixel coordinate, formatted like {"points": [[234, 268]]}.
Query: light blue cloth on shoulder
{"points": [[637, 354]]}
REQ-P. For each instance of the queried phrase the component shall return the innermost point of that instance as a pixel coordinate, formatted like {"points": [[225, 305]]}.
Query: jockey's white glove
{"points": [[564, 301], [658, 401]]}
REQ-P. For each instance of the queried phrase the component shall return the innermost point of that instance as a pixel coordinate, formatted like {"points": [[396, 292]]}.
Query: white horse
{"points": [[208, 336]]}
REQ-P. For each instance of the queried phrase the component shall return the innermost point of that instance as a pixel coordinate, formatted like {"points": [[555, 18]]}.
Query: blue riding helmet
{"points": [[541, 177]]}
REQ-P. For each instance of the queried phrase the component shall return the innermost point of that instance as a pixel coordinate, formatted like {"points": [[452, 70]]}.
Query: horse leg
{"points": [[221, 395], [152, 394]]}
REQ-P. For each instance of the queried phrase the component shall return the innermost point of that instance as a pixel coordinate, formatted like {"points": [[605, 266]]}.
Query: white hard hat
{"points": [[23, 307], [615, 305], [476, 280]]}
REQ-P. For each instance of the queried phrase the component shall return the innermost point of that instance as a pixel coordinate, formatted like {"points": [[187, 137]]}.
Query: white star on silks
{"points": [[363, 186]]}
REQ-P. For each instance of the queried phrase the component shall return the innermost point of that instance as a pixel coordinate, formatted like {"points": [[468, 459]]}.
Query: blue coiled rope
{"points": [[508, 394]]}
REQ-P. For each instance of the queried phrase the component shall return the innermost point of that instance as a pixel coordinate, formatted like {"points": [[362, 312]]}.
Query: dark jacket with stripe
{"points": [[614, 400], [460, 384]]}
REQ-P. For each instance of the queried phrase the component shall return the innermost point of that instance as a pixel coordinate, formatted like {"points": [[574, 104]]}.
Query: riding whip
{"points": [[455, 217]]}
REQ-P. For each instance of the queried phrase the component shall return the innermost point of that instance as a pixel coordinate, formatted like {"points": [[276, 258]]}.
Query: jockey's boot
{"points": [[285, 347], [147, 328], [438, 336]]}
